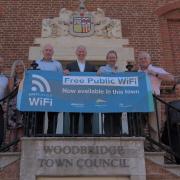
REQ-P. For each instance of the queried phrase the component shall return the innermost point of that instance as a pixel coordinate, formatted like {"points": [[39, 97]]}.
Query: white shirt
{"points": [[81, 66], [50, 65], [3, 85], [155, 81]]}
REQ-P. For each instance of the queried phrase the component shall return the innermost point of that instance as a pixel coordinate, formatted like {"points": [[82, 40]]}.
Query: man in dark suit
{"points": [[80, 65]]}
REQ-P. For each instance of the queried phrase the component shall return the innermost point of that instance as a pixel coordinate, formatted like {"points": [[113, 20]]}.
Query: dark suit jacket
{"points": [[74, 125], [73, 67]]}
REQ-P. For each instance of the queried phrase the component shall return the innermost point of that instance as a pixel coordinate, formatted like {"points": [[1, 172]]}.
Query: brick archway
{"points": [[169, 20], [167, 8]]}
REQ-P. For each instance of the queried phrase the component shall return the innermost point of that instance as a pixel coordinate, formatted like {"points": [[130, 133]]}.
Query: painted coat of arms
{"points": [[81, 25], [82, 22]]}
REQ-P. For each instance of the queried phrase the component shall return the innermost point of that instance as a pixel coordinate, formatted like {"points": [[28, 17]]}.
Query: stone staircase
{"points": [[158, 159], [8, 158], [9, 166], [155, 166]]}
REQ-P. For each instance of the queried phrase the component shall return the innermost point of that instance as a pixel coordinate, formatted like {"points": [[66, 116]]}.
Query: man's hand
{"points": [[150, 72], [66, 72]]}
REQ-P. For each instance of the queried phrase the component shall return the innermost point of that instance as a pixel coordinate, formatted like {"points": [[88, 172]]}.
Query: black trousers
{"points": [[74, 123], [137, 123], [52, 122], [112, 123]]}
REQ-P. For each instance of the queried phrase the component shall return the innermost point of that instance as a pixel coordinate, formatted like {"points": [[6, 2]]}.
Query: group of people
{"points": [[112, 121]]}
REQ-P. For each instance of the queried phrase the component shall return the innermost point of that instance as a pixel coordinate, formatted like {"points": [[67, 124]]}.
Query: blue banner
{"points": [[85, 92]]}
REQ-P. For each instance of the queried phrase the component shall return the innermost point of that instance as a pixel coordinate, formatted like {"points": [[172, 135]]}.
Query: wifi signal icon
{"points": [[39, 83]]}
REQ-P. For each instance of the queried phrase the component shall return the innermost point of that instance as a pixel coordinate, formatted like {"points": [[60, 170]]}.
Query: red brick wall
{"points": [[149, 25], [11, 172]]}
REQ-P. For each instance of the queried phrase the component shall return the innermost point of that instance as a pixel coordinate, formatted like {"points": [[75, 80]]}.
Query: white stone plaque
{"points": [[64, 157]]}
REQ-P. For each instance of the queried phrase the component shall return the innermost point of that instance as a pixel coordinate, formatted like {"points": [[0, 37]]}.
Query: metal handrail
{"points": [[10, 95], [2, 101], [6, 147], [159, 144], [166, 103]]}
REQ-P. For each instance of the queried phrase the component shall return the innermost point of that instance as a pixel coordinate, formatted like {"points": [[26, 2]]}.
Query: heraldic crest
{"points": [[81, 23]]}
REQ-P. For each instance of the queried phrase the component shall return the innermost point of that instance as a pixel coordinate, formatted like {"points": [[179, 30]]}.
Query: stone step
{"points": [[156, 157], [8, 158], [173, 168]]}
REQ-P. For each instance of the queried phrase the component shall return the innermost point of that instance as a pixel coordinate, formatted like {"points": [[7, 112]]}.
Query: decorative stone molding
{"points": [[94, 23], [98, 33]]}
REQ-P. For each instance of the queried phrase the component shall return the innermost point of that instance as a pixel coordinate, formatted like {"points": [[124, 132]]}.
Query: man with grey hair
{"points": [[156, 76], [3, 91], [48, 64], [80, 65]]}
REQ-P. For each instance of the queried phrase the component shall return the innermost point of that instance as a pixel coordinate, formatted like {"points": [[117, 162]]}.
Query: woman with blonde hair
{"points": [[17, 74], [15, 117]]}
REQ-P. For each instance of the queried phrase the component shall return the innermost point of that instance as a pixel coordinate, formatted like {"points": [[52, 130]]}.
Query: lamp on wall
{"points": [[34, 65], [129, 66]]}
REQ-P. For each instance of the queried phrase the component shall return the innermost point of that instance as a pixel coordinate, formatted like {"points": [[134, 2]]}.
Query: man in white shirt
{"points": [[156, 76], [3, 91], [80, 64], [48, 64]]}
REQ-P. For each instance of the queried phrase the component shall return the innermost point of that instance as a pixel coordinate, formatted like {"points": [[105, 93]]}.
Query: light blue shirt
{"points": [[107, 69], [50, 65]]}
